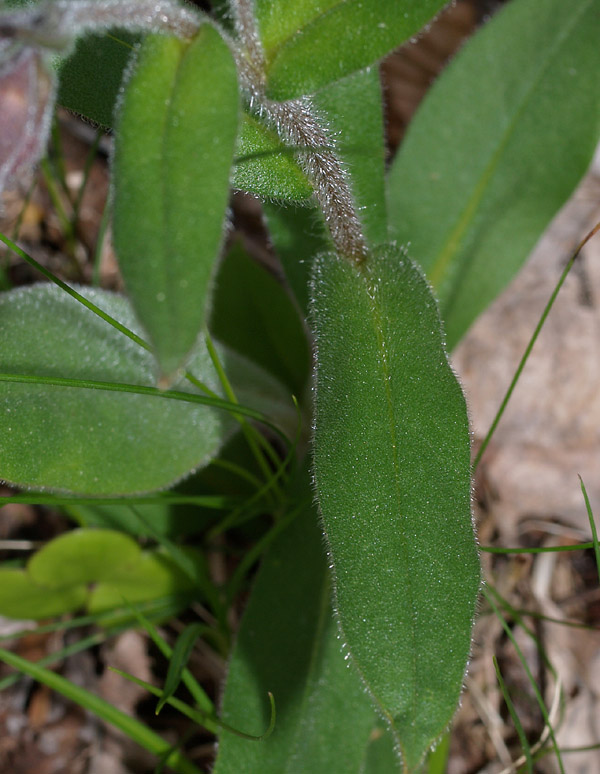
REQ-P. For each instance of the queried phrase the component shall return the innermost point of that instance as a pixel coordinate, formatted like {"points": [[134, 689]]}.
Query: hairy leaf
{"points": [[392, 471], [175, 143], [89, 441], [352, 110], [288, 645], [90, 79], [497, 147], [309, 44]]}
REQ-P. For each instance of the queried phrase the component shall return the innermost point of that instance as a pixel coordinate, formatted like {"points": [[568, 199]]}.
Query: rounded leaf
{"points": [[90, 441], [153, 576], [21, 597], [82, 556]]}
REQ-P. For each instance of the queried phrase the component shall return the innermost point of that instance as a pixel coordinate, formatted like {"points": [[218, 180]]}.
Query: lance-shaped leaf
{"points": [[288, 644], [495, 150], [392, 470], [92, 441], [315, 42], [173, 155]]}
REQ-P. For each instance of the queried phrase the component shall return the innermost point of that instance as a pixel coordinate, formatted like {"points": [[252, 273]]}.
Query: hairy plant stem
{"points": [[297, 123], [56, 25]]}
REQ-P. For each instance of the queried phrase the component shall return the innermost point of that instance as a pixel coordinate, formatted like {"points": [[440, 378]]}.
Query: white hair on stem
{"points": [[297, 123]]}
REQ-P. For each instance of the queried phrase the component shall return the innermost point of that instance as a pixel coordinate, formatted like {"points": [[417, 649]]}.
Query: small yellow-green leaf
{"points": [[82, 556], [153, 576], [392, 472], [173, 154], [97, 568], [21, 597]]}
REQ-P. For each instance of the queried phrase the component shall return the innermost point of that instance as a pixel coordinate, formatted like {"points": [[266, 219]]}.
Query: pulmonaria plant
{"points": [[364, 644]]}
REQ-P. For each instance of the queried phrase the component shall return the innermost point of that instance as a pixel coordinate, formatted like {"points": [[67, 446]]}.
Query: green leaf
{"points": [[173, 155], [91, 441], [121, 517], [82, 556], [288, 644], [311, 43], [98, 568], [381, 756], [253, 314], [91, 78], [21, 597], [298, 234], [392, 472], [496, 148], [265, 166], [153, 576]]}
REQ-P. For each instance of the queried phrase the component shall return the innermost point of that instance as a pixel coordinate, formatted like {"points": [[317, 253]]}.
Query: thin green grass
{"points": [[515, 718], [134, 729], [530, 678], [198, 717], [590, 514], [213, 502], [179, 660], [536, 550]]}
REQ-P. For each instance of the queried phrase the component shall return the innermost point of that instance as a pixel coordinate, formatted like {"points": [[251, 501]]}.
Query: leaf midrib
{"points": [[378, 329], [453, 243], [164, 184]]}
